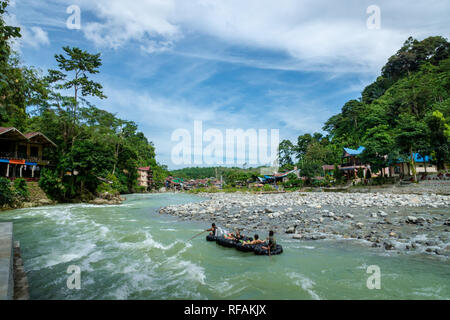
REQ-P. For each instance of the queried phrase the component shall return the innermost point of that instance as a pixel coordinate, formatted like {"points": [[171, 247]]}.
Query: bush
{"points": [[21, 188], [6, 192], [267, 187], [141, 189], [115, 187], [360, 173], [368, 174], [52, 184], [294, 183]]}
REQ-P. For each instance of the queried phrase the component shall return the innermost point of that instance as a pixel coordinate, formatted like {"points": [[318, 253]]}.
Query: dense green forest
{"points": [[94, 145], [406, 110], [229, 175]]}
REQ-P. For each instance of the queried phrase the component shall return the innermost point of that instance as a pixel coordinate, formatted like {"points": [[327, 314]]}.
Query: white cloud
{"points": [[318, 35], [32, 36], [37, 37], [145, 21]]}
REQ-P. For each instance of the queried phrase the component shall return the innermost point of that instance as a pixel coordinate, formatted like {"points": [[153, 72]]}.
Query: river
{"points": [[130, 251]]}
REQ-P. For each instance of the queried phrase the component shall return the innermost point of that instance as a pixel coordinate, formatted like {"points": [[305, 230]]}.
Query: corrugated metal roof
{"points": [[357, 152], [4, 129], [27, 136]]}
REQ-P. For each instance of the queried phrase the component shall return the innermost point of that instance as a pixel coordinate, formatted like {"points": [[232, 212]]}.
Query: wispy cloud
{"points": [[30, 36], [316, 35], [308, 35]]}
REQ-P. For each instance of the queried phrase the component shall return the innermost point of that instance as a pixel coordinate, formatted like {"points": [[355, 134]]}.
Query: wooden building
{"points": [[422, 164], [351, 163], [23, 155]]}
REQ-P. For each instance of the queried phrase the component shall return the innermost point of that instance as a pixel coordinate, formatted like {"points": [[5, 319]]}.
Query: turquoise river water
{"points": [[132, 252]]}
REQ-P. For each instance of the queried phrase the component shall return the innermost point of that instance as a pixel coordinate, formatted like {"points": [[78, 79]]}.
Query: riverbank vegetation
{"points": [[11, 194], [405, 110], [96, 151]]}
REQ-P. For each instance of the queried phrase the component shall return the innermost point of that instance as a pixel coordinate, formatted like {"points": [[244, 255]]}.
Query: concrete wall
{"points": [[6, 261]]}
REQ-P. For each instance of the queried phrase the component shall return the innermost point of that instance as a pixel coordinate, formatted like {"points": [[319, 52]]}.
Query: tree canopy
{"points": [[404, 111]]}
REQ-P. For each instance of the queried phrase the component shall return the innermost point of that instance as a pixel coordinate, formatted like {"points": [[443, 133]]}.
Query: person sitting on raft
{"points": [[213, 229], [272, 242], [236, 236], [254, 242]]}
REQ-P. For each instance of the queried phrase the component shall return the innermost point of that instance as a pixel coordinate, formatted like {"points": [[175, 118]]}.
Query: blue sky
{"points": [[286, 65]]}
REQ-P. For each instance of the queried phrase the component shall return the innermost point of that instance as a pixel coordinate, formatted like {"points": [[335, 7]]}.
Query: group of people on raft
{"points": [[269, 245]]}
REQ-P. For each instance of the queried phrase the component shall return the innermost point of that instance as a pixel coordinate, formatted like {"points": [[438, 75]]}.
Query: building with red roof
{"points": [[145, 177]]}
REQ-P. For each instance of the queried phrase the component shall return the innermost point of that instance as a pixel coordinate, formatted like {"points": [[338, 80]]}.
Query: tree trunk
{"points": [[413, 165]]}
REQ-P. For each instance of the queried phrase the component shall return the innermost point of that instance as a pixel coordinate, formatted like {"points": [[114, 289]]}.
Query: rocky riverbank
{"points": [[402, 222], [108, 199], [42, 200]]}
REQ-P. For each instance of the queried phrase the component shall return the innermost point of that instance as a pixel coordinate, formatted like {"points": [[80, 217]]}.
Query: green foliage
{"points": [[267, 188], [415, 53], [293, 182], [7, 195], [20, 86], [21, 188], [323, 183], [337, 174], [311, 169], [286, 151], [368, 174], [210, 190], [360, 174], [405, 111], [52, 185], [238, 177], [112, 186], [140, 189]]}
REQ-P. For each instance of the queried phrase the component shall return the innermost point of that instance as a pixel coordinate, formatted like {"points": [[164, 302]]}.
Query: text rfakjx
{"points": [[252, 310], [238, 309]]}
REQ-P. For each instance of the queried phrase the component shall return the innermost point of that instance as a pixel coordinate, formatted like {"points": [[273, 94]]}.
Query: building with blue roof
{"points": [[403, 166], [351, 162]]}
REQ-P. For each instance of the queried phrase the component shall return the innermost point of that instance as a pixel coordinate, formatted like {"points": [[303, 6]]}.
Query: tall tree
{"points": [[74, 70], [412, 138], [286, 151]]}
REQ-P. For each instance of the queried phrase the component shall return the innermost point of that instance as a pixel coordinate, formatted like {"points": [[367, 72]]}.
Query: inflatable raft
{"points": [[229, 243], [262, 252], [245, 248], [226, 242], [257, 249]]}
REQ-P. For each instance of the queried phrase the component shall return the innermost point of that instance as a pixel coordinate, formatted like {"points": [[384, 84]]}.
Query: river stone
{"points": [[411, 219], [28, 205], [290, 230], [388, 245], [45, 202]]}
